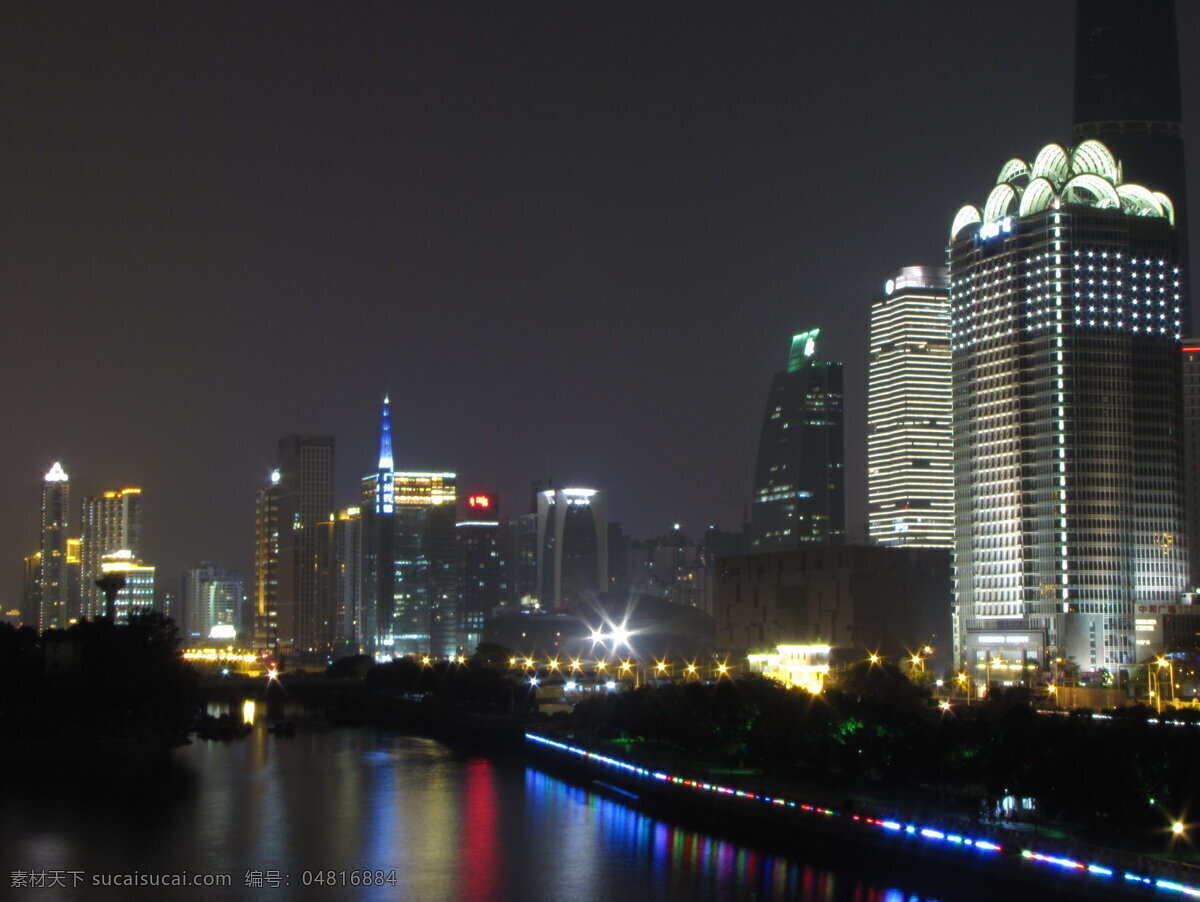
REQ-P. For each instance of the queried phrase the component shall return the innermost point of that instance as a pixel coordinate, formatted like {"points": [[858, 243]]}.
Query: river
{"points": [[306, 818]]}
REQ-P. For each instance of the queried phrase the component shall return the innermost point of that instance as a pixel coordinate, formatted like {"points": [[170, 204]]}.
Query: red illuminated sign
{"points": [[481, 502]]}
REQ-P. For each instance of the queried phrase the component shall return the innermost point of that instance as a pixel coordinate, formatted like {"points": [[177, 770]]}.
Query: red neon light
{"points": [[480, 501]]}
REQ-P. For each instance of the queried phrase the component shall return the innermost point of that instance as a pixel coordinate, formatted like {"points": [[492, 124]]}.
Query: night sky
{"points": [[570, 239]]}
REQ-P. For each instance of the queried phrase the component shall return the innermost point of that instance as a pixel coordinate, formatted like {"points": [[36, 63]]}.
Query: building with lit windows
{"points": [[428, 564], [799, 489], [1065, 323], [378, 547], [112, 522], [1191, 451], [305, 497], [483, 569], [910, 473], [138, 591], [572, 542], [265, 598], [54, 582], [211, 597], [340, 568]]}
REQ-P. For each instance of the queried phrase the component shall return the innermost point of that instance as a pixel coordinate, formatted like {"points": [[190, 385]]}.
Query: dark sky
{"points": [[571, 239]]}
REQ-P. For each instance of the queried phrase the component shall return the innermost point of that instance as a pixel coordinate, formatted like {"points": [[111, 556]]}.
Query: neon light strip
{"points": [[929, 833], [951, 839]]}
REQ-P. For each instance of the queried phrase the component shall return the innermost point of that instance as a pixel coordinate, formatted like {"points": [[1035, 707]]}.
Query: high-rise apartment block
{"points": [[799, 487], [305, 498], [1066, 312], [112, 522], [54, 596], [910, 475]]}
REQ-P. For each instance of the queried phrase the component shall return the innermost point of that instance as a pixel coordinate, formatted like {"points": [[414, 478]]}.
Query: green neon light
{"points": [[804, 349]]}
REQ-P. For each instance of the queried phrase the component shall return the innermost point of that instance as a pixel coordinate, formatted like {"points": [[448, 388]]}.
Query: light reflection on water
{"points": [[452, 827]]}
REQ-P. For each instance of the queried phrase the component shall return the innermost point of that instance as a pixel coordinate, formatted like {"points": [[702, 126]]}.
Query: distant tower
{"points": [[378, 546], [112, 522], [799, 489], [305, 499], [341, 577], [54, 583], [572, 546], [1068, 484], [1127, 95], [265, 600], [910, 472]]}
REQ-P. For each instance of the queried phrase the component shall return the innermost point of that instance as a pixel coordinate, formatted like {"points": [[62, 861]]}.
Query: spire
{"points": [[385, 437], [56, 474]]}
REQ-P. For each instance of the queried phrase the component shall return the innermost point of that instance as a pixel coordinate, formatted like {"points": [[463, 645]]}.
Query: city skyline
{"points": [[243, 240]]}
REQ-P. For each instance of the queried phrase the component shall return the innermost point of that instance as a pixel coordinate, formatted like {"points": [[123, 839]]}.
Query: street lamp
{"points": [[1166, 662]]}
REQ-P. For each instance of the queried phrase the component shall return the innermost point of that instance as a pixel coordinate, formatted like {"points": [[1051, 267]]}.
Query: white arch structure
{"points": [[1086, 175]]}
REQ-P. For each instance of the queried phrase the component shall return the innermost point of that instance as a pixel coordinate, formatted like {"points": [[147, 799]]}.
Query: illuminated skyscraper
{"points": [[572, 546], [305, 499], [378, 546], [910, 474], [211, 596], [428, 564], [138, 591], [1127, 95], [265, 600], [483, 568], [1065, 318], [54, 583], [799, 490], [112, 522]]}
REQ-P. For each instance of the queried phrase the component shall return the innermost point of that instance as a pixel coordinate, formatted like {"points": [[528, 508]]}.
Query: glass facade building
{"points": [[799, 479], [1065, 322], [910, 475]]}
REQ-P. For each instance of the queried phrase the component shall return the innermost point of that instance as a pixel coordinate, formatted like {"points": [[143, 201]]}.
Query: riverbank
{"points": [[989, 852]]}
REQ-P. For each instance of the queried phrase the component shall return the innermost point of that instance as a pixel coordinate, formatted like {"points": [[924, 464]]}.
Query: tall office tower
{"points": [[111, 522], [1191, 452], [265, 601], [799, 488], [305, 499], [1065, 318], [483, 568], [1127, 95], [138, 592], [428, 588], [910, 473], [378, 547], [340, 574], [210, 596], [31, 592], [74, 587], [572, 546], [54, 582]]}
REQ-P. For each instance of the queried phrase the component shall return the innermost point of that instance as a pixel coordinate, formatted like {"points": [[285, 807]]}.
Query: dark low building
{"points": [[864, 599]]}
